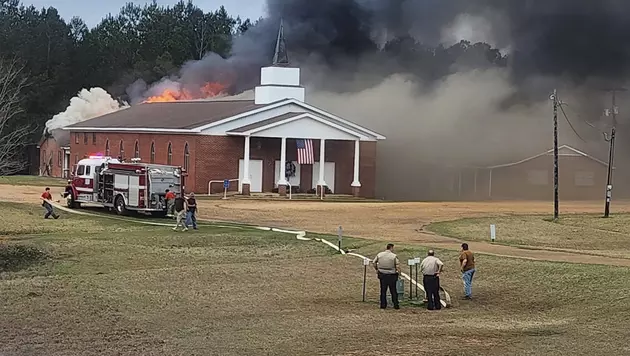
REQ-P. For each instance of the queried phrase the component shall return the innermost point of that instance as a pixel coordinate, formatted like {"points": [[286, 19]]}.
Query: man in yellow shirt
{"points": [[387, 268]]}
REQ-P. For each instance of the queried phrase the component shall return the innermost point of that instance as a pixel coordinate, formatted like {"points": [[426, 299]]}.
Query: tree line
{"points": [[48, 59]]}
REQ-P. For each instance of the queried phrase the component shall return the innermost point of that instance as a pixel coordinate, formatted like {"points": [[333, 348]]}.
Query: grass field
{"points": [[588, 233], [33, 181], [105, 287]]}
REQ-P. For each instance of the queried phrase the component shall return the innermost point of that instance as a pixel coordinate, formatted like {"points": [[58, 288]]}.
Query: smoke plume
{"points": [[86, 105], [399, 67]]}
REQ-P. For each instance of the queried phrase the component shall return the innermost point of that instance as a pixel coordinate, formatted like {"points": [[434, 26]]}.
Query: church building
{"points": [[273, 143]]}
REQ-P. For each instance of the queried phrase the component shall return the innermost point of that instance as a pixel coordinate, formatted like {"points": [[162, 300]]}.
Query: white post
{"points": [[283, 161], [246, 179], [322, 153], [476, 170], [355, 181]]}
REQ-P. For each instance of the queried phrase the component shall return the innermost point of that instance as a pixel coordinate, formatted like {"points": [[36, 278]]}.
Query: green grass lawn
{"points": [[590, 233], [103, 286], [33, 180]]}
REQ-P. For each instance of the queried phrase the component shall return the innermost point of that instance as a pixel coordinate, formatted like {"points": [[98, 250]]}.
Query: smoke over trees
{"points": [[457, 81]]}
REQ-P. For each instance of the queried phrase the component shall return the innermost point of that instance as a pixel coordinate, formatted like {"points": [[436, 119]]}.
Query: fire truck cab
{"points": [[123, 186]]}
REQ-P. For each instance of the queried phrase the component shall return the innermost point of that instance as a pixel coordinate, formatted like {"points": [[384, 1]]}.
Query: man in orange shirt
{"points": [[46, 199], [467, 264], [170, 202]]}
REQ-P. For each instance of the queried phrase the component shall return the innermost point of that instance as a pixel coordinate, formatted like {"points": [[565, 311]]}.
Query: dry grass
{"points": [[116, 288], [586, 233], [33, 181]]}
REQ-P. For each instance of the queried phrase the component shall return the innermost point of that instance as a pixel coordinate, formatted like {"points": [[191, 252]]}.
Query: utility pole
{"points": [[554, 97], [611, 151]]}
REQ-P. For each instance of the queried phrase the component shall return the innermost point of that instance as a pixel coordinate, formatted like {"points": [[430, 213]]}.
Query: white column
{"points": [[355, 181], [322, 160], [246, 179], [282, 180]]}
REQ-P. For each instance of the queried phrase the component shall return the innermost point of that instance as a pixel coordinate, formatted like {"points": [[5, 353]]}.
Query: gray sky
{"points": [[92, 11]]}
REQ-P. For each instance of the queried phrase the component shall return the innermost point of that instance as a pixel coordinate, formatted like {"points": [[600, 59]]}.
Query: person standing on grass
{"points": [[467, 264], [47, 204], [431, 268], [387, 268], [180, 212], [191, 217], [170, 202]]}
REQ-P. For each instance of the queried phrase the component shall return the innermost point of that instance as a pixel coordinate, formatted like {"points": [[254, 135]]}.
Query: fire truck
{"points": [[123, 186]]}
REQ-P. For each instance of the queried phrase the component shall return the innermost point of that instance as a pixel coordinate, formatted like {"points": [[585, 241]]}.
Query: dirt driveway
{"points": [[398, 222], [381, 221]]}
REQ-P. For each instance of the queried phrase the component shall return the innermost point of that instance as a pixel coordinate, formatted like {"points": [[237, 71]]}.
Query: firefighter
{"points": [[46, 203], [191, 217], [170, 203], [68, 191], [180, 210]]}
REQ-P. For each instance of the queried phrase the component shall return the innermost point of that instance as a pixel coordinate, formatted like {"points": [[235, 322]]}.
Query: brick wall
{"points": [[50, 151], [97, 144], [217, 157]]}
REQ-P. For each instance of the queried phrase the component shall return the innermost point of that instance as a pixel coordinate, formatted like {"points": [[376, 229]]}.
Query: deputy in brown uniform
{"points": [[387, 268], [431, 268]]}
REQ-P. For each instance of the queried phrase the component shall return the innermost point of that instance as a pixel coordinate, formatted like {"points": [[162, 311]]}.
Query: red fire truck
{"points": [[123, 186]]}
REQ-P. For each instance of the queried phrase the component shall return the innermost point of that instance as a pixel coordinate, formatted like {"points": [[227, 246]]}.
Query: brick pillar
{"points": [[282, 190], [246, 189], [356, 192], [318, 190]]}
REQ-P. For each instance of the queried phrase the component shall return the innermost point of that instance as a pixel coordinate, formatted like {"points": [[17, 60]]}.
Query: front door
{"points": [[255, 175]]}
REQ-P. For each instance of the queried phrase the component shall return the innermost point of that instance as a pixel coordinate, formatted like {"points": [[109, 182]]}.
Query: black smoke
{"points": [[577, 40]]}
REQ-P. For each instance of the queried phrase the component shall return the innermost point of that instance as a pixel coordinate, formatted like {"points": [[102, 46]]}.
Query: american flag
{"points": [[305, 152]]}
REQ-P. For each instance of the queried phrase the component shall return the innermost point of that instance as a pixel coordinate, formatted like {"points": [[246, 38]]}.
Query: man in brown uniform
{"points": [[431, 267], [387, 268], [467, 264]]}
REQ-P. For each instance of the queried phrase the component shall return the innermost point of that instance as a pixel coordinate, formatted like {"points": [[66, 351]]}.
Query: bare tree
{"points": [[13, 135]]}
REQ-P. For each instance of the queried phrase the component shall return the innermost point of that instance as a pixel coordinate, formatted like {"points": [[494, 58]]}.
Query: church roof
{"points": [[182, 115]]}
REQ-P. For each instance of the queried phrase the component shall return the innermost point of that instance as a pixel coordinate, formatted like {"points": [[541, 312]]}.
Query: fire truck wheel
{"points": [[72, 204], [159, 214], [120, 206]]}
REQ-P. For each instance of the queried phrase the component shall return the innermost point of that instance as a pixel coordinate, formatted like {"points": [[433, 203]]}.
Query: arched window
{"points": [[169, 159], [186, 157], [152, 152], [122, 149], [136, 150], [107, 152]]}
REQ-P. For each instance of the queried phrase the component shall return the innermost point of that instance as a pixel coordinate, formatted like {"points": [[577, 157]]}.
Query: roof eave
{"points": [[130, 129]]}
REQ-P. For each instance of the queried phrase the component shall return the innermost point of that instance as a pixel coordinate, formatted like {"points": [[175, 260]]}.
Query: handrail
{"points": [[219, 181], [289, 184]]}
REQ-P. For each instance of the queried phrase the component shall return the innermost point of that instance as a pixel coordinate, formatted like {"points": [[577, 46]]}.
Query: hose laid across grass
{"points": [[300, 235]]}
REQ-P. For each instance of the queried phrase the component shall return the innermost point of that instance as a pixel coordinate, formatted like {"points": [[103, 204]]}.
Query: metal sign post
{"points": [[366, 263], [339, 237], [226, 185], [411, 263], [417, 262]]}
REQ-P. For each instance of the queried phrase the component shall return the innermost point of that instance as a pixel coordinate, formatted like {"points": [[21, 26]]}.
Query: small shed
{"points": [[581, 177], [54, 154]]}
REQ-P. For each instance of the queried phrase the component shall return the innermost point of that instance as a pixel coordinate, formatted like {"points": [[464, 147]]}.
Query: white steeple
{"points": [[279, 82]]}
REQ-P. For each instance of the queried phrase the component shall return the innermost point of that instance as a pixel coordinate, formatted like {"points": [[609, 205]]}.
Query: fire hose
{"points": [[300, 235]]}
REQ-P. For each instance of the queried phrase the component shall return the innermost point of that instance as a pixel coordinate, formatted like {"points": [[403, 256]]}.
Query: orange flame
{"points": [[209, 90]]}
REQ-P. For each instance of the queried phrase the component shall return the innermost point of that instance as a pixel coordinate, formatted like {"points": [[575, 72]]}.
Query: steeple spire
{"points": [[281, 57]]}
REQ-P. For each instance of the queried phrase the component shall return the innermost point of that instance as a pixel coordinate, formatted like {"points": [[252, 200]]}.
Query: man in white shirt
{"points": [[431, 267], [387, 268]]}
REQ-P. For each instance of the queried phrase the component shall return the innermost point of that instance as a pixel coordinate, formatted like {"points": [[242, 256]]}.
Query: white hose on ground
{"points": [[300, 235]]}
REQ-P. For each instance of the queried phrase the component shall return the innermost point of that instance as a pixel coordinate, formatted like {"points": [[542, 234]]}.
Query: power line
{"points": [[570, 124]]}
